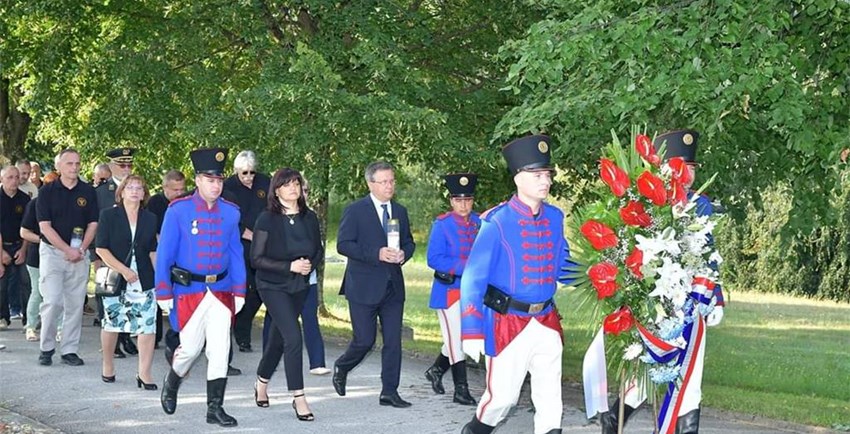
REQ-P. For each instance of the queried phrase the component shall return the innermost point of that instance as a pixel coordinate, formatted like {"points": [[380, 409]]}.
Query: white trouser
{"points": [[210, 325], [536, 350], [63, 287], [692, 396], [450, 328]]}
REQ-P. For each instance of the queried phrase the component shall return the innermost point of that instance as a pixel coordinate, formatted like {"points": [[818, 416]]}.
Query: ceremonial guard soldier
{"points": [[508, 312], [200, 279], [451, 240], [679, 143]]}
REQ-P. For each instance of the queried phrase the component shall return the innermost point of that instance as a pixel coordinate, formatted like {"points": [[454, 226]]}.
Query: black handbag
{"points": [[109, 282]]}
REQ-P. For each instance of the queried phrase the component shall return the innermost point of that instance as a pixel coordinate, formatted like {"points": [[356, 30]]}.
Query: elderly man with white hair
{"points": [[250, 189]]}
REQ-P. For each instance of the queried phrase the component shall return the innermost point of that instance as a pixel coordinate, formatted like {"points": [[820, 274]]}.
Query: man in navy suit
{"points": [[373, 281]]}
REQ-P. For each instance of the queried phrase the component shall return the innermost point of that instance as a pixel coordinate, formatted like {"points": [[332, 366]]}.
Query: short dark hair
{"points": [[282, 177], [173, 175]]}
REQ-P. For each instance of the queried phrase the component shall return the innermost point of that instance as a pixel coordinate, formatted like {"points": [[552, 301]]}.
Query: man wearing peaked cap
{"points": [[679, 143], [121, 166], [200, 264], [506, 294], [451, 240]]}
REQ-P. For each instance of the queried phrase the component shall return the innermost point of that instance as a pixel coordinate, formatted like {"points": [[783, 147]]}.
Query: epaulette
{"points": [[444, 216], [179, 200], [485, 216]]}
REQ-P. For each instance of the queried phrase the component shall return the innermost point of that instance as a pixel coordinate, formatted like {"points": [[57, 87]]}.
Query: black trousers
{"points": [[245, 317], [365, 329], [285, 337]]}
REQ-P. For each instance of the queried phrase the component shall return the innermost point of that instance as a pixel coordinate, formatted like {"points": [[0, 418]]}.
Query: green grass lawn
{"points": [[773, 356]]}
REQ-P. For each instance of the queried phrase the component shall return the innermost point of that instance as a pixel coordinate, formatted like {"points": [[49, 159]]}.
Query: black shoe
{"points": [[302, 417], [170, 386], [118, 354], [72, 359], [263, 403], [215, 400], [245, 347], [232, 372], [434, 374], [393, 400], [148, 386], [688, 423], [462, 395], [46, 358], [609, 421], [554, 431], [107, 379], [339, 379], [129, 345], [476, 427]]}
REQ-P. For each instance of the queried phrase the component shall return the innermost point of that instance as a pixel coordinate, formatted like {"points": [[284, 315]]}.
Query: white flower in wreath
{"points": [[633, 351], [673, 283], [664, 243]]}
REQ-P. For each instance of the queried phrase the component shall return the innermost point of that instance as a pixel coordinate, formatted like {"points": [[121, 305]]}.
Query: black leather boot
{"points": [[170, 386], [476, 427], [434, 374], [688, 423], [215, 400], [462, 395], [609, 419], [554, 431]]}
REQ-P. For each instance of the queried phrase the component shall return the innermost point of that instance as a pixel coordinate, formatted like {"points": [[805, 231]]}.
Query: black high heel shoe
{"points": [[107, 379], [261, 404], [148, 386], [302, 417]]}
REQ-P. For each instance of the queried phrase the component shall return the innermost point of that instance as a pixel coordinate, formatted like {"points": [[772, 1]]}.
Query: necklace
{"points": [[291, 218]]}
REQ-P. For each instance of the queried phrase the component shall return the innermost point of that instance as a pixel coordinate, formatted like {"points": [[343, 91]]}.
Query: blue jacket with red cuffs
{"points": [[206, 242], [448, 249], [522, 255]]}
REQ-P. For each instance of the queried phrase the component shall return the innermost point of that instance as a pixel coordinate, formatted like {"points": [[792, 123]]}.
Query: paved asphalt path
{"points": [[62, 398]]}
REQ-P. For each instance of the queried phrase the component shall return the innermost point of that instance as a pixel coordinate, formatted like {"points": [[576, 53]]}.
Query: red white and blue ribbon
{"points": [[668, 414]]}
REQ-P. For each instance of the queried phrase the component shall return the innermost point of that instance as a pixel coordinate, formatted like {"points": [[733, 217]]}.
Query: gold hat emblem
{"points": [[125, 151], [81, 202], [219, 156], [543, 147], [261, 194], [464, 181], [688, 139]]}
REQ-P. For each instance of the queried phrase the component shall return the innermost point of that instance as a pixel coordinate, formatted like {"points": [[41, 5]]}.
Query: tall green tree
{"points": [[766, 83]]}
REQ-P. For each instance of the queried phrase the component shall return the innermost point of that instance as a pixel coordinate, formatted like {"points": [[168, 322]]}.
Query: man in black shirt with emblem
{"points": [[67, 216], [15, 282], [249, 189]]}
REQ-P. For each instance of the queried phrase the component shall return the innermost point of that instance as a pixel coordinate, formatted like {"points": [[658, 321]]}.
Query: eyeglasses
{"points": [[124, 165], [248, 172], [134, 188], [385, 182]]}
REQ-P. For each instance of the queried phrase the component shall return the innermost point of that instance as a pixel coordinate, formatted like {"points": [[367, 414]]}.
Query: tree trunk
{"points": [[322, 213], [14, 124]]}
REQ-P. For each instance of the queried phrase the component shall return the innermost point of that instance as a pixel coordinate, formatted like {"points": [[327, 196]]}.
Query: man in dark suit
{"points": [[373, 281]]}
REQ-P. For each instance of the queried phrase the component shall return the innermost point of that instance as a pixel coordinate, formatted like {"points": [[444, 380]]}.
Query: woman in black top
{"points": [[287, 246], [133, 311]]}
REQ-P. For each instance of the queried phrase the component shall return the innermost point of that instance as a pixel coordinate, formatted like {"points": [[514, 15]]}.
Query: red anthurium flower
{"points": [[634, 214], [644, 147], [652, 187], [634, 261], [619, 321], [680, 170], [600, 236], [603, 276], [678, 195], [616, 178]]}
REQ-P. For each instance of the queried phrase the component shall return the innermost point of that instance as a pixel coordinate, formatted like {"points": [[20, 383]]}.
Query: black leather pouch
{"points": [[181, 276], [496, 299], [446, 278]]}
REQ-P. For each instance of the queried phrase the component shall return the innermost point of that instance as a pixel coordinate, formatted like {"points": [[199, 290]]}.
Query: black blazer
{"points": [[113, 234], [277, 243], [360, 237]]}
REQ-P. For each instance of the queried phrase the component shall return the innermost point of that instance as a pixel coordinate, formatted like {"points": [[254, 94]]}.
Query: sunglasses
{"points": [[248, 172], [125, 165]]}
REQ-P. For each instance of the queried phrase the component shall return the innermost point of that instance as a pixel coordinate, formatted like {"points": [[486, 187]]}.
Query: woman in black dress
{"points": [[287, 246]]}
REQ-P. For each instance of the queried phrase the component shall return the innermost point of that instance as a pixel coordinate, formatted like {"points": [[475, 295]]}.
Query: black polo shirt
{"points": [[252, 201], [11, 214], [67, 208], [158, 204], [31, 223]]}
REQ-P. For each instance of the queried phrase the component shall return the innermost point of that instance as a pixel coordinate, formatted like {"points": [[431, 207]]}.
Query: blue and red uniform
{"points": [[448, 249], [205, 241], [522, 255]]}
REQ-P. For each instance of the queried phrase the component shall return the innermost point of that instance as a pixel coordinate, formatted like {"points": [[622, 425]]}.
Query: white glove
{"points": [[166, 305], [474, 348], [714, 317], [239, 303]]}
